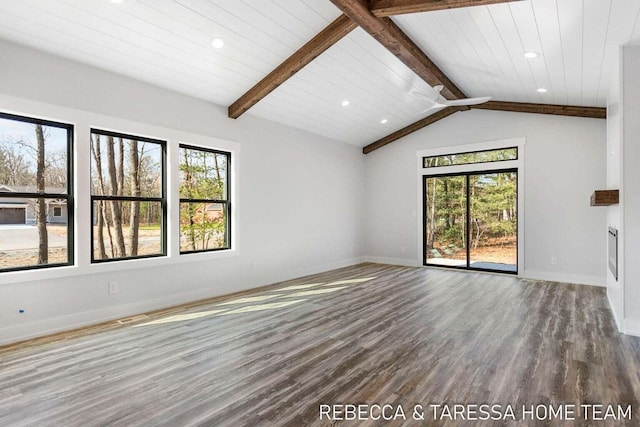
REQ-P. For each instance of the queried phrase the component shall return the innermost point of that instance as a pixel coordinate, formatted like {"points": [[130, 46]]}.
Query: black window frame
{"points": [[226, 203], [424, 159], [162, 199], [68, 196]]}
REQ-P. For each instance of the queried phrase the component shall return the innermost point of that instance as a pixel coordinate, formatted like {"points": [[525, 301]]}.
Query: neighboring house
{"points": [[213, 211], [209, 212], [18, 210]]}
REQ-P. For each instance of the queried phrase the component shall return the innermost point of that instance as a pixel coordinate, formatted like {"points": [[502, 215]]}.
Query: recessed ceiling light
{"points": [[345, 103], [541, 90], [531, 54], [116, 1], [383, 121], [217, 42]]}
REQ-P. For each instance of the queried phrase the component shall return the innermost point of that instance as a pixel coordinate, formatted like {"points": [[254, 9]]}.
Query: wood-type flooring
{"points": [[368, 334]]}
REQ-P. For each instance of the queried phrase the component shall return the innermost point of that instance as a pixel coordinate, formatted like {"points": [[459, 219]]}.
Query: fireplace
{"points": [[613, 251]]}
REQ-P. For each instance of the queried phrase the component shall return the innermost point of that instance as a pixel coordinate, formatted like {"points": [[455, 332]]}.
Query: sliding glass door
{"points": [[471, 220]]}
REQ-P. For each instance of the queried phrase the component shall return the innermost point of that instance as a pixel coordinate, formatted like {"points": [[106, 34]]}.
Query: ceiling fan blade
{"points": [[466, 101], [422, 113], [428, 92], [429, 103]]}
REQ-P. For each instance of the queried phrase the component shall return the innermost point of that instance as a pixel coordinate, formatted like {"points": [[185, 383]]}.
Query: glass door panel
{"points": [[471, 220], [493, 223], [445, 221]]}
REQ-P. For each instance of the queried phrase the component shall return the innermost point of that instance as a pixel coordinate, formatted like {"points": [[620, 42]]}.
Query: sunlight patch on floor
{"points": [[302, 291], [349, 281], [296, 287], [180, 318], [268, 306], [247, 299], [314, 292]]}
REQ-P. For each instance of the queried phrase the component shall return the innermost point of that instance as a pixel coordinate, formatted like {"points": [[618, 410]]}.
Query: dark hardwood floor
{"points": [[360, 335]]}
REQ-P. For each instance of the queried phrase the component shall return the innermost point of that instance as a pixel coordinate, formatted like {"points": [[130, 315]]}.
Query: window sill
{"points": [[13, 277]]}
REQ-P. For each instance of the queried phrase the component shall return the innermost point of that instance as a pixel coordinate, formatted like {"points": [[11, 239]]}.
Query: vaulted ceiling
{"points": [[479, 48]]}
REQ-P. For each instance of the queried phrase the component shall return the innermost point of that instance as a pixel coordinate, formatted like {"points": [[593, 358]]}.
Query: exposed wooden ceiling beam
{"points": [[397, 7], [519, 107], [410, 129], [558, 110], [307, 53], [397, 42]]}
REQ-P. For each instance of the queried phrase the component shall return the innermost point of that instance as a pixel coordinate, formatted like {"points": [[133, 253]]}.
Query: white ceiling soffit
{"points": [[167, 43], [481, 48]]}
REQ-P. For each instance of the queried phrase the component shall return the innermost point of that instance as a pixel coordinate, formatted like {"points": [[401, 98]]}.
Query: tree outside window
{"points": [[127, 196], [205, 205], [35, 182]]}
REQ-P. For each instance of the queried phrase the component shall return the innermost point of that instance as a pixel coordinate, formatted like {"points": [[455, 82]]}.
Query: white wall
{"points": [[615, 288], [631, 187], [623, 150], [298, 210], [565, 162]]}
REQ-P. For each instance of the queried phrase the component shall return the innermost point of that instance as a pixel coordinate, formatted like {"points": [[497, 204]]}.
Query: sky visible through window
{"points": [[18, 155], [35, 228], [12, 131]]}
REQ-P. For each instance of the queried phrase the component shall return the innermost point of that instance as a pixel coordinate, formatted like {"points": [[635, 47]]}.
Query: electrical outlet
{"points": [[113, 288], [554, 260], [402, 249]]}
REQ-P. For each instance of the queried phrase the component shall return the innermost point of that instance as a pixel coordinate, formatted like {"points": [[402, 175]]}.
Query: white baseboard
{"points": [[54, 325], [528, 274], [324, 267], [632, 327], [565, 278], [405, 262], [619, 324]]}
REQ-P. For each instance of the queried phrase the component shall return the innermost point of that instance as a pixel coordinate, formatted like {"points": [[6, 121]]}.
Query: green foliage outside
{"points": [[125, 167], [446, 211], [469, 158], [493, 208], [493, 211], [203, 223]]}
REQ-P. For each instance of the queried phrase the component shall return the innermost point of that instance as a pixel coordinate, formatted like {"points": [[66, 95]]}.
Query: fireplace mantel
{"points": [[605, 198]]}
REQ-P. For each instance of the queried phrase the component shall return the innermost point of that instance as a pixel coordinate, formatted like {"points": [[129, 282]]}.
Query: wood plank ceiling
{"points": [[474, 47]]}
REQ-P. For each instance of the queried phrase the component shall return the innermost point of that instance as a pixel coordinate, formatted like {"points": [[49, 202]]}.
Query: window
{"points": [[127, 196], [487, 156], [35, 178], [57, 211], [205, 205]]}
